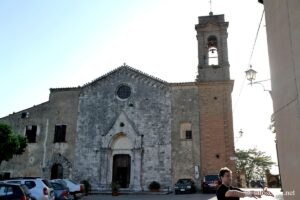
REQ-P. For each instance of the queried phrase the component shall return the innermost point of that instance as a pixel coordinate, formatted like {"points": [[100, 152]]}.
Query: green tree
{"points": [[272, 125], [10, 143], [253, 163]]}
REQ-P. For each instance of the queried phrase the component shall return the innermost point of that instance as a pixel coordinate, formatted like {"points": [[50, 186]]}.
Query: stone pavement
{"points": [[172, 196]]}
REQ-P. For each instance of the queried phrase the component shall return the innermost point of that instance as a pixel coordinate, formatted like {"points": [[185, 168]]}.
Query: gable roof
{"points": [[129, 69]]}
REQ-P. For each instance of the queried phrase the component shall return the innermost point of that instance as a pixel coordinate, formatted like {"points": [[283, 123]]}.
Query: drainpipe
{"points": [[45, 147], [142, 155]]}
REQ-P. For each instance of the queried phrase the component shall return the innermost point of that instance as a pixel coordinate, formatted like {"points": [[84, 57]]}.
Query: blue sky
{"points": [[39, 38], [49, 44]]}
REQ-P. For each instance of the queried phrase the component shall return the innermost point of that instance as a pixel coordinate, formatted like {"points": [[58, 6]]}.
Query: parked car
{"points": [[210, 183], [185, 186], [61, 191], [74, 187], [257, 183], [27, 192], [39, 188], [13, 192]]}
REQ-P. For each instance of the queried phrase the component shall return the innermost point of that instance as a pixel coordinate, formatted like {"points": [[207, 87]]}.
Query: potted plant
{"points": [[154, 186], [114, 188], [87, 186]]}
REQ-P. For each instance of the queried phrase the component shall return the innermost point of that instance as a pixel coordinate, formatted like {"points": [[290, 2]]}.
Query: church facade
{"points": [[130, 127]]}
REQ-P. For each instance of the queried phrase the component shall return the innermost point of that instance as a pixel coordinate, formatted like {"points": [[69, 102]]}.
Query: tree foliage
{"points": [[253, 163], [272, 125], [10, 143]]}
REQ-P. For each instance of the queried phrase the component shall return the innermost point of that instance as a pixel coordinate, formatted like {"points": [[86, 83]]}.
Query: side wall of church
{"points": [[185, 117], [30, 162], [39, 157]]}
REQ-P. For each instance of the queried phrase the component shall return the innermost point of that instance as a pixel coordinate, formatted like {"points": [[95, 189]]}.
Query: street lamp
{"points": [[251, 74]]}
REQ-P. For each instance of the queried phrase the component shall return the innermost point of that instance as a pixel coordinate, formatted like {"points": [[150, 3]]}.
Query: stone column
{"points": [[136, 176], [105, 155]]}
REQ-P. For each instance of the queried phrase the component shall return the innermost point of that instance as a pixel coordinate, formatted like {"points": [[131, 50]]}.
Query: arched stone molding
{"points": [[57, 158], [122, 125]]}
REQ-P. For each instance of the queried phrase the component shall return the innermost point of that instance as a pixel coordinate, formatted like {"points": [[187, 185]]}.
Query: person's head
{"points": [[225, 175]]}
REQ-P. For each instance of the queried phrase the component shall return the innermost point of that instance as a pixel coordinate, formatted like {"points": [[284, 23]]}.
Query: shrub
{"points": [[114, 186], [87, 186]]}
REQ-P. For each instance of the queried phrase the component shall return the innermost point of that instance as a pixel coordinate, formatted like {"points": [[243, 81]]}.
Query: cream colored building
{"points": [[283, 32]]}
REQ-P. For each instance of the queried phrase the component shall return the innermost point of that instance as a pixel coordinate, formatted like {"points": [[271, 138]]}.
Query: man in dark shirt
{"points": [[222, 191], [227, 192]]}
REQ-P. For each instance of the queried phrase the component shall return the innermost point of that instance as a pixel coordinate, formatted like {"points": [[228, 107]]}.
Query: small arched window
{"points": [[212, 46]]}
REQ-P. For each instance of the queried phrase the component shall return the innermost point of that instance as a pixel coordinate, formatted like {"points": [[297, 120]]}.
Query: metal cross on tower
{"points": [[210, 3]]}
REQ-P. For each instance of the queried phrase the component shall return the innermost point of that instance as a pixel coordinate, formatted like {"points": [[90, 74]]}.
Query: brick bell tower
{"points": [[215, 87]]}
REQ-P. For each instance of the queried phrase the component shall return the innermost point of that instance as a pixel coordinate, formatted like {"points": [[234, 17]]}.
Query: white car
{"points": [[72, 185], [39, 188]]}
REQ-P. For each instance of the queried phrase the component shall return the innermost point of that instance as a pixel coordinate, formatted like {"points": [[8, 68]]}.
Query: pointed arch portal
{"points": [[121, 153]]}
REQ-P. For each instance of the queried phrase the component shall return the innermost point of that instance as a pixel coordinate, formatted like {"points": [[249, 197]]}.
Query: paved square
{"points": [[197, 196]]}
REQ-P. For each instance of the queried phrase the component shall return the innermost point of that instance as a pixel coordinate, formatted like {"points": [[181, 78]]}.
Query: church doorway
{"points": [[121, 170], [56, 171]]}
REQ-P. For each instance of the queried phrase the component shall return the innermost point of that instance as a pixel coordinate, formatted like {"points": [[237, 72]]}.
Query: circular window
{"points": [[123, 91]]}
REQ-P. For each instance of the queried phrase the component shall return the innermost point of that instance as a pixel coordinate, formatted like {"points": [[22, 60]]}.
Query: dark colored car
{"points": [[61, 192], [257, 183], [13, 192], [185, 186], [210, 183]]}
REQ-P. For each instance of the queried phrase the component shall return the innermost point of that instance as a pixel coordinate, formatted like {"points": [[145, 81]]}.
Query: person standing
{"points": [[227, 192]]}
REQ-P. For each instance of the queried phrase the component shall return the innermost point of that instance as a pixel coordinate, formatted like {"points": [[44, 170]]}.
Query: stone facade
{"points": [[133, 128], [43, 153], [144, 119], [185, 152]]}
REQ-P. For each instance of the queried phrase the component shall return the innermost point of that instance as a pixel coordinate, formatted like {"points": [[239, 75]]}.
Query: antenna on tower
{"points": [[210, 3]]}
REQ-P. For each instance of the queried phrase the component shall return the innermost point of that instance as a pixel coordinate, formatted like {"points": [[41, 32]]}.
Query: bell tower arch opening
{"points": [[212, 46]]}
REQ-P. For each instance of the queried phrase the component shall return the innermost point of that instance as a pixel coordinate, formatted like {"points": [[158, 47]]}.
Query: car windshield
{"points": [[211, 177], [17, 182], [25, 189], [71, 181], [56, 186], [183, 181], [46, 182]]}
